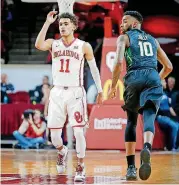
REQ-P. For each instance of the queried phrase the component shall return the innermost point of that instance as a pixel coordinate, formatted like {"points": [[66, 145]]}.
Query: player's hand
{"points": [[51, 18], [99, 99], [112, 93]]}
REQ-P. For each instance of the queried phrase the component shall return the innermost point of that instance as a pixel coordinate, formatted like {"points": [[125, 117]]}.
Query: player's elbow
{"points": [[37, 45], [170, 67]]}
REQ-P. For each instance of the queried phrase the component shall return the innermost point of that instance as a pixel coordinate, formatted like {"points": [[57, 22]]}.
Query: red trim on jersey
{"points": [[68, 45], [83, 103], [80, 72]]}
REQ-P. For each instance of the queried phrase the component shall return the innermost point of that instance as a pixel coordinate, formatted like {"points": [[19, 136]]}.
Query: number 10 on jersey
{"points": [[145, 49], [64, 66]]}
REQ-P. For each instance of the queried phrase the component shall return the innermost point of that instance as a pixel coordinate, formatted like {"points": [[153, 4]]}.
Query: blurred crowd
{"points": [[39, 94], [7, 28]]}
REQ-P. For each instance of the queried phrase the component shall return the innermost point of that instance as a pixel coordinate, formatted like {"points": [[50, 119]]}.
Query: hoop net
{"points": [[65, 6]]}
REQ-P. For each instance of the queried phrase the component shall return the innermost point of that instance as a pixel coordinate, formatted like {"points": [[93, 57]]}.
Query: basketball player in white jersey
{"points": [[68, 95]]}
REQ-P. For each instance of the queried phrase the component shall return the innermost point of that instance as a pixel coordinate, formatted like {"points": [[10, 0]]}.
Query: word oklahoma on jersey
{"points": [[67, 63]]}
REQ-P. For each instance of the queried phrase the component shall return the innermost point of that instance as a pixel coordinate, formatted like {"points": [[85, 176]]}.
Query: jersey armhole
{"points": [[83, 48], [51, 46], [129, 40]]}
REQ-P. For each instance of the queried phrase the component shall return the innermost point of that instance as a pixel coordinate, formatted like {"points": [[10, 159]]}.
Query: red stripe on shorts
{"points": [[83, 103], [79, 125]]}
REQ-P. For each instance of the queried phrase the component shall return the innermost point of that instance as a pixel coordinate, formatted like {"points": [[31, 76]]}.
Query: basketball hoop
{"points": [[65, 6]]}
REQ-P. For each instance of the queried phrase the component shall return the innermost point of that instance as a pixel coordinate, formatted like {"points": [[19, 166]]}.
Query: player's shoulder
{"points": [[56, 41], [79, 41], [122, 38], [87, 47]]}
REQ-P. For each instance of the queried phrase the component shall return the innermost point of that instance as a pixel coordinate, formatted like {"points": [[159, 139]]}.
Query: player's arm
{"points": [[164, 60], [88, 52], [41, 43], [122, 42]]}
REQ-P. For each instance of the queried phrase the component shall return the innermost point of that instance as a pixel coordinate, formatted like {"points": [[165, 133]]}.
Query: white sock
{"points": [[81, 164], [62, 151]]}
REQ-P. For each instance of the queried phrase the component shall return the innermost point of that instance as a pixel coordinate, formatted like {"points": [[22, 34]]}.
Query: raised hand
{"points": [[51, 18]]}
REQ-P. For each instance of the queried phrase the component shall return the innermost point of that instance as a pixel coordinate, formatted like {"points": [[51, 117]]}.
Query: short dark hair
{"points": [[135, 14], [72, 18]]}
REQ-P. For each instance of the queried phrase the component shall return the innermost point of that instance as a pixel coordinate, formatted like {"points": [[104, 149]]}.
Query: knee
{"points": [[130, 132], [131, 127], [15, 133], [78, 132], [56, 137], [41, 140], [149, 128], [174, 127], [159, 119], [162, 119]]}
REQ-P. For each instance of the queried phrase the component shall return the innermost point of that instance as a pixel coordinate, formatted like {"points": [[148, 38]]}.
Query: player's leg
{"points": [[62, 150], [149, 115], [149, 102], [131, 98], [77, 118], [80, 150], [130, 143], [56, 120]]}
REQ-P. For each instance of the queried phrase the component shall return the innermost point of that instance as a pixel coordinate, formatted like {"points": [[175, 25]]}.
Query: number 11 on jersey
{"points": [[64, 66]]}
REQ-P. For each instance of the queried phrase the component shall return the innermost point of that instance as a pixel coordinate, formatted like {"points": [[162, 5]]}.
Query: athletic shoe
{"points": [[61, 161], [131, 173], [80, 173], [145, 168]]}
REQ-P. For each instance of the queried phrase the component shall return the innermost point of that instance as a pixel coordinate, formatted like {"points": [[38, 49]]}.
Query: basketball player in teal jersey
{"points": [[143, 89]]}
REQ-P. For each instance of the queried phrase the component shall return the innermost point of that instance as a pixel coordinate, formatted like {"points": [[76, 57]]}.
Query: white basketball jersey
{"points": [[67, 63]]}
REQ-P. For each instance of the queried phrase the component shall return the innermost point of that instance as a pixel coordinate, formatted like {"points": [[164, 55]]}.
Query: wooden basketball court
{"points": [[102, 167]]}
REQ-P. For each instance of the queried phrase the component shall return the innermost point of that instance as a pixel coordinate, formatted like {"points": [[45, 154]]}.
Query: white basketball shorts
{"points": [[65, 101]]}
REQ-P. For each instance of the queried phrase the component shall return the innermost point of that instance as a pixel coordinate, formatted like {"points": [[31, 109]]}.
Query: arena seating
{"points": [[20, 96]]}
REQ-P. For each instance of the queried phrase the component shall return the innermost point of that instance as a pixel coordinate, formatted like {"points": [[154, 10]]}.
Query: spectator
{"points": [[166, 120], [5, 86], [31, 131], [171, 92], [5, 89], [45, 92], [45, 80], [5, 46], [176, 107], [95, 31], [37, 94], [82, 30]]}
